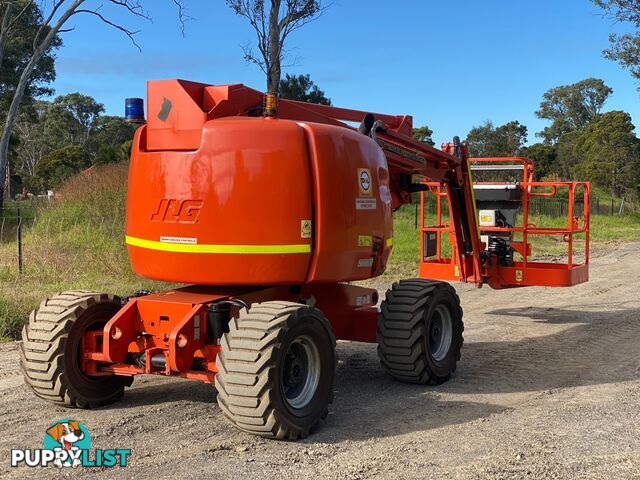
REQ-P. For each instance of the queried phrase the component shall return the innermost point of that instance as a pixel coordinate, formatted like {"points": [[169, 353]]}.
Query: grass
{"points": [[621, 228], [25, 209], [406, 245], [77, 243]]}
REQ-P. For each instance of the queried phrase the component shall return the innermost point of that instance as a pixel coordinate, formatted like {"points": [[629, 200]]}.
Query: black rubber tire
{"points": [[50, 349], [403, 326], [250, 369]]}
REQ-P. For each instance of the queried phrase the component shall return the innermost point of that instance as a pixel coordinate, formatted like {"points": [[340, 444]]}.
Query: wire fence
{"points": [[546, 207], [21, 227], [560, 208], [19, 233]]}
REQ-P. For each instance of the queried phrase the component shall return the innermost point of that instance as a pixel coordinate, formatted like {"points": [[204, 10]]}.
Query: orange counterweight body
{"points": [[262, 201]]}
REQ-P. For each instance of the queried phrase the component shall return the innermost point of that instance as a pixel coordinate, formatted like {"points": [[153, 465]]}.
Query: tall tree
{"points": [[111, 140], [423, 134], [12, 13], [544, 159], [273, 21], [504, 141], [610, 153], [20, 20], [572, 107], [70, 120], [566, 156], [61, 164], [624, 49], [112, 131], [34, 142], [303, 89], [72, 117], [55, 15]]}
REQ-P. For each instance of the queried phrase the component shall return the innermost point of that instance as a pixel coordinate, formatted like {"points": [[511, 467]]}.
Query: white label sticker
{"points": [[366, 204], [365, 263], [363, 300], [182, 240]]}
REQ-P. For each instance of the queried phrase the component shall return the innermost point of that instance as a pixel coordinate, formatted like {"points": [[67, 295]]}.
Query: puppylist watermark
{"points": [[67, 444]]}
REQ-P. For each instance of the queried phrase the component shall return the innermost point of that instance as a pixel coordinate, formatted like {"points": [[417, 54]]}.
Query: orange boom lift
{"points": [[269, 209]]}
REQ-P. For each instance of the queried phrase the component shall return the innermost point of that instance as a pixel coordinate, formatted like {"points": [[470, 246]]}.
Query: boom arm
{"points": [[410, 163]]}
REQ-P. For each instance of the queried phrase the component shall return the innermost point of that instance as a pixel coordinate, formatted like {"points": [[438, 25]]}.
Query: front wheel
{"points": [[420, 331], [276, 370]]}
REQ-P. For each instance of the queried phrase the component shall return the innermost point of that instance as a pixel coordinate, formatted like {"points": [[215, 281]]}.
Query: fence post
{"points": [[19, 242], [612, 206], [597, 206]]}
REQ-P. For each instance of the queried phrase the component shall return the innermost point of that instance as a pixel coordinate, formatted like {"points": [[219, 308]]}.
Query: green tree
{"points": [[572, 107], [71, 118], [423, 134], [124, 151], [61, 164], [302, 89], [75, 119], [567, 158], [112, 131], [609, 153], [105, 154], [111, 140], [624, 49], [21, 19], [489, 141], [112, 154], [544, 159]]}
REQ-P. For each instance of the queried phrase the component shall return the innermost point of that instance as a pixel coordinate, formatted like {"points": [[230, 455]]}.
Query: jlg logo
{"points": [[177, 211]]}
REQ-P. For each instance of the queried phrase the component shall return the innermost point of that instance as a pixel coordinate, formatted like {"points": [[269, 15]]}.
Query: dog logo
{"points": [[67, 444], [70, 436]]}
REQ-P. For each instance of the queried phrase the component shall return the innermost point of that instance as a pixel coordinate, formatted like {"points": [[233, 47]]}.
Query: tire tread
{"points": [[43, 344], [399, 331], [246, 369]]}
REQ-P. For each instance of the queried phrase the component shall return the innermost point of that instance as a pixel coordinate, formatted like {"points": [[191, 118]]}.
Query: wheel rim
{"points": [[440, 333], [300, 372]]}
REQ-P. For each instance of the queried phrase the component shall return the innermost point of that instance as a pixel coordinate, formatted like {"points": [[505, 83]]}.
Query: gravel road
{"points": [[548, 387]]}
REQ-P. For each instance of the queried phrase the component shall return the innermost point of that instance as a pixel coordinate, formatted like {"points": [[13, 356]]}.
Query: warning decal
{"points": [[305, 229], [179, 240], [364, 182], [365, 240]]}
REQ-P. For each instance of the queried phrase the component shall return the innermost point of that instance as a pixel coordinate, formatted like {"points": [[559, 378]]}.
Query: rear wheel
{"points": [[276, 370], [420, 331], [51, 350]]}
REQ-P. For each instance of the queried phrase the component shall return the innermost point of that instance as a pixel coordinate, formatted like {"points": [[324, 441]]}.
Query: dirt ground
{"points": [[548, 387]]}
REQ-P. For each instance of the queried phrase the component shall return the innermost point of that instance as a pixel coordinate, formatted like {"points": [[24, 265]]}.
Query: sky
{"points": [[452, 65]]}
